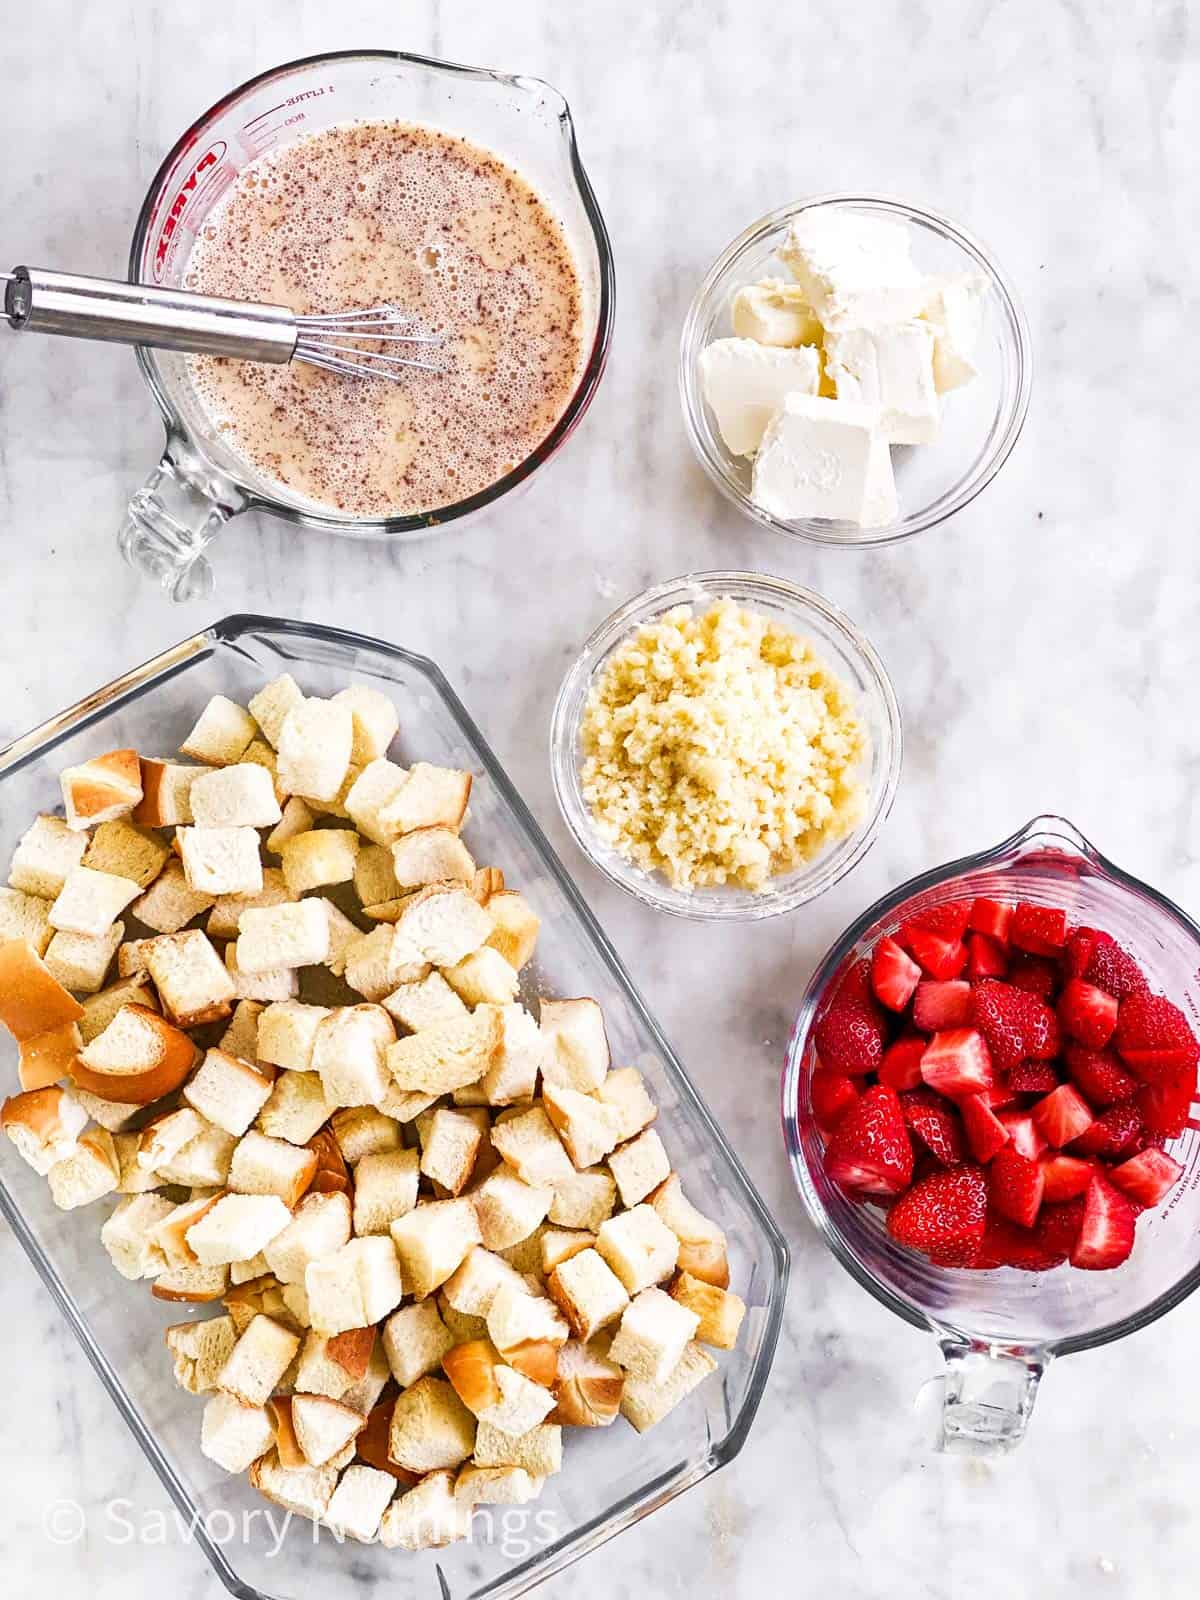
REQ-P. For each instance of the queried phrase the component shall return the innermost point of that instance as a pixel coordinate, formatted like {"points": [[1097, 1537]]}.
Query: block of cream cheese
{"points": [[774, 312], [856, 271], [891, 368], [745, 383], [954, 309], [826, 458]]}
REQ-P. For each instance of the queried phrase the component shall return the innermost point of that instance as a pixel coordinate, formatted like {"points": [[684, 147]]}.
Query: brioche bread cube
{"points": [[286, 1033], [508, 1208], [170, 902], [227, 1092], [225, 917], [301, 1491], [296, 818], [232, 1434], [522, 1405], [240, 1038], [539, 1451], [560, 1244], [246, 1271], [431, 1428], [477, 1281], [484, 978], [374, 877], [654, 1332], [349, 1054], [44, 1125], [314, 745], [342, 934], [278, 983], [587, 1127], [134, 1179], [163, 1139], [450, 1150], [374, 721], [624, 1093], [288, 935], [258, 753], [432, 1241], [515, 927], [270, 706], [431, 855], [589, 1387], [199, 1350], [577, 1054], [192, 1282], [515, 1318], [31, 1000], [447, 1055], [354, 1287], [318, 858], [445, 923], [424, 1003], [429, 797], [237, 1226], [47, 853], [99, 1009], [385, 1187], [26, 918], [102, 789], [644, 1403], [495, 1486], [166, 793], [137, 1058], [86, 1173], [639, 1247], [379, 961], [221, 860], [702, 1251], [258, 1360], [402, 1105], [525, 1257], [358, 1503], [528, 1143], [414, 1340], [365, 1391], [48, 1056], [362, 1131], [323, 1427], [463, 1327], [221, 734], [587, 1292], [376, 787], [126, 851], [90, 902], [427, 1517], [80, 961], [262, 1165], [296, 1109], [331, 1364], [639, 1167], [512, 1076], [204, 1161], [191, 980], [719, 1314], [487, 882]]}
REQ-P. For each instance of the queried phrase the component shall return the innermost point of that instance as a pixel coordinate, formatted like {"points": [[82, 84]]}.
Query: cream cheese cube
{"points": [[774, 312], [826, 458], [746, 383], [856, 271], [954, 309], [891, 368]]}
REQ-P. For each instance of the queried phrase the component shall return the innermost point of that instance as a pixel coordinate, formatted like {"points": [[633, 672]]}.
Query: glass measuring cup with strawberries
{"points": [[988, 1108]]}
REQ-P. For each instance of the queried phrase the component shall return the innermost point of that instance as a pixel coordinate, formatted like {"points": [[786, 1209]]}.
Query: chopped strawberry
{"points": [[870, 1149], [1016, 1025], [1077, 952], [1006, 1245], [1147, 1176], [1062, 1116], [1033, 1077], [1112, 1134], [1154, 1039], [936, 1125], [1035, 974], [1166, 1107], [901, 1064], [985, 1132], [1066, 1176], [941, 958], [1109, 967], [1088, 1014], [1099, 1075], [1015, 1186], [944, 1213], [948, 921], [1106, 1236], [986, 957], [999, 1097], [1058, 1224], [1039, 929], [1023, 1132], [956, 1062], [941, 1005], [832, 1094], [894, 975], [990, 918], [850, 1035]]}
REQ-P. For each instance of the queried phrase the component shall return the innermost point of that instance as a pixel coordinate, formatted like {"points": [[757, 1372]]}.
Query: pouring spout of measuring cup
{"points": [[174, 517], [985, 1397]]}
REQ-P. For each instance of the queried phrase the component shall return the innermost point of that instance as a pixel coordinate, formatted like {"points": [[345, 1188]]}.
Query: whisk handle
{"points": [[135, 313]]}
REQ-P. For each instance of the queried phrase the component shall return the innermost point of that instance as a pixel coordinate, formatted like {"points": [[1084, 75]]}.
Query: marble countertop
{"points": [[1043, 647]]}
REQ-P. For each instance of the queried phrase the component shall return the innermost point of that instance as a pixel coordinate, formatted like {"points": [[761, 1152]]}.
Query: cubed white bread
{"points": [[719, 1314], [337, 806], [342, 934], [99, 1009], [447, 1055], [166, 793], [49, 1056], [221, 860], [170, 902], [487, 882], [258, 753], [362, 1131], [199, 1350], [374, 877], [128, 1235], [137, 1058], [203, 1162], [245, 1271], [589, 1386], [588, 1128], [225, 917], [355, 1287], [495, 1486], [25, 917], [297, 818], [302, 1491], [515, 1317], [126, 851], [512, 1076], [114, 1116], [445, 923], [191, 1282], [624, 1093], [100, 790], [296, 1109], [228, 1092], [270, 706], [376, 788], [314, 743], [365, 1391], [539, 1451], [639, 1247], [525, 1257], [318, 858], [414, 1340], [374, 718], [258, 1360], [262, 1165], [221, 733], [423, 1004], [508, 1208], [577, 1054], [639, 1167], [323, 1427], [431, 855], [702, 1249], [237, 1226], [358, 1503], [288, 935], [44, 1125], [232, 1434], [88, 1172], [429, 797], [522, 1405], [560, 1244], [515, 926], [286, 1031], [463, 1327], [385, 1187], [427, 1517], [190, 977], [432, 1241], [654, 1332], [403, 1105], [449, 1153], [47, 853], [240, 1038], [431, 1428], [349, 1053], [80, 961], [477, 1281], [320, 1226], [526, 1140], [332, 1363], [90, 902], [645, 1403], [280, 983], [587, 1292], [484, 978], [379, 961]]}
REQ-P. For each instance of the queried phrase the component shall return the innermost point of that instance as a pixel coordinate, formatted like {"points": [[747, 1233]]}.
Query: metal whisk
{"points": [[344, 342]]}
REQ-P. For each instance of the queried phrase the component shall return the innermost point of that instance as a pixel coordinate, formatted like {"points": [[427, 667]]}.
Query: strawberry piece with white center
{"points": [[1066, 1176], [992, 918], [1106, 1236], [986, 1134], [956, 1062], [1023, 1132], [1062, 1116], [943, 1215], [1015, 1186], [894, 975], [901, 1064], [941, 1005], [986, 957], [1147, 1177], [870, 1150], [1088, 1014]]}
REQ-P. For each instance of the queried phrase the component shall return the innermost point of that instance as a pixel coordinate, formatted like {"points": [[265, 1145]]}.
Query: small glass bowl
{"points": [[981, 421], [841, 647]]}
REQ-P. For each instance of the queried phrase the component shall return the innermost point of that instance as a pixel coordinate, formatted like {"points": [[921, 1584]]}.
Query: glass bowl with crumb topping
{"points": [[980, 421], [654, 777]]}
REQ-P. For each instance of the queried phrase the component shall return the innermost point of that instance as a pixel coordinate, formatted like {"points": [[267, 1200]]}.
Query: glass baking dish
{"points": [[611, 1477]]}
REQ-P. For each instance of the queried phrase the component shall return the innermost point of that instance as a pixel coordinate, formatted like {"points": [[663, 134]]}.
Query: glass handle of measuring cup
{"points": [[174, 517], [987, 1396]]}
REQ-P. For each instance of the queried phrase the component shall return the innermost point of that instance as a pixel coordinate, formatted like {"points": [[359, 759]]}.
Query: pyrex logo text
{"points": [[179, 205]]}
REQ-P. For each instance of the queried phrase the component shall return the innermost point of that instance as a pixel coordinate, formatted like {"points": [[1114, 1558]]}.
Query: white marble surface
{"points": [[1043, 647]]}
